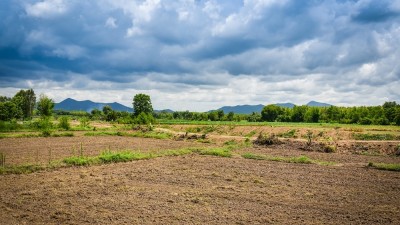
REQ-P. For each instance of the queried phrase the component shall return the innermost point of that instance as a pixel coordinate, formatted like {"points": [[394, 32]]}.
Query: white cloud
{"points": [[46, 8], [110, 22]]}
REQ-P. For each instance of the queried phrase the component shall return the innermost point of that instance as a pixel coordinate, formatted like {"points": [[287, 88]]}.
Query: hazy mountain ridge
{"points": [[70, 104]]}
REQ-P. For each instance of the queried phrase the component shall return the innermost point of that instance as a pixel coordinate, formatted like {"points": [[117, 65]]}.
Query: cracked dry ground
{"points": [[195, 189]]}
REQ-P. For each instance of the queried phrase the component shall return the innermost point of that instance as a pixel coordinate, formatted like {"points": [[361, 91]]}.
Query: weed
{"points": [[2, 159], [29, 168], [222, 152], [309, 136], [251, 134], [126, 156], [266, 140], [387, 137], [329, 148], [288, 134], [385, 166], [79, 161], [300, 159], [63, 123]]}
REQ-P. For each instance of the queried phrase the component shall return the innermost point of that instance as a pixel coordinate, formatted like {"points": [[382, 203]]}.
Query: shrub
{"points": [[64, 123], [266, 140]]}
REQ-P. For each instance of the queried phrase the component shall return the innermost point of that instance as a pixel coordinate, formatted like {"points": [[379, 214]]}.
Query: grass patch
{"points": [[385, 166], [299, 159], [126, 156], [152, 134], [221, 152], [375, 137], [251, 134], [288, 134], [21, 169], [80, 161]]}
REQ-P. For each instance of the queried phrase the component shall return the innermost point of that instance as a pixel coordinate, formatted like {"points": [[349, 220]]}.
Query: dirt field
{"points": [[198, 189], [195, 189]]}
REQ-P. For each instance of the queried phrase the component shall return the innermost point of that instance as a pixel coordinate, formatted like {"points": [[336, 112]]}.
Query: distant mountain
{"points": [[242, 109], [70, 104], [318, 104], [286, 105]]}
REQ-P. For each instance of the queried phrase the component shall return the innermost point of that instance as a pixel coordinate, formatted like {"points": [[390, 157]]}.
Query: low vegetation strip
{"points": [[152, 134], [300, 159], [385, 166], [375, 137]]}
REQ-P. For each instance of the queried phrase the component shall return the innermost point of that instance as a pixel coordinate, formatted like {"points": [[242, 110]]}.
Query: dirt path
{"points": [[202, 190]]}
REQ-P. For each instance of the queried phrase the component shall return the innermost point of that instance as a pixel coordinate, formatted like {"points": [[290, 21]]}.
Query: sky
{"points": [[200, 55]]}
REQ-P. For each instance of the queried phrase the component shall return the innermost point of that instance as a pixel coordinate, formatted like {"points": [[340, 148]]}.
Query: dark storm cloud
{"points": [[202, 44]]}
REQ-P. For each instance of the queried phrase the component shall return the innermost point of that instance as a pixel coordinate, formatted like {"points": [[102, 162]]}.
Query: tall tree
{"points": [[142, 104], [25, 101], [45, 106]]}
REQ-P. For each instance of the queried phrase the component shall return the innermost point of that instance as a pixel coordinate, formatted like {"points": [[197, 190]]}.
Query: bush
{"points": [[64, 123], [266, 140], [144, 118]]}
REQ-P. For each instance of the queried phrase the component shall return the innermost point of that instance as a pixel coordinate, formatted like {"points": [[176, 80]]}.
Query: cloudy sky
{"points": [[203, 54]]}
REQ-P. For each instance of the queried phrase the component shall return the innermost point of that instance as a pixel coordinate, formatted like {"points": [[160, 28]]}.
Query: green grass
{"points": [[377, 137], [221, 152], [385, 166], [360, 136], [151, 134], [299, 159], [21, 169]]}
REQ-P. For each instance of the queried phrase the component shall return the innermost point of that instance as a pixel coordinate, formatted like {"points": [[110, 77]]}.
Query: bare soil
{"points": [[196, 189], [41, 150]]}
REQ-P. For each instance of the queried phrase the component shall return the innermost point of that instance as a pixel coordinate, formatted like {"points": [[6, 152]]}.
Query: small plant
{"points": [[288, 134], [84, 122], [329, 148], [251, 134], [385, 166], [266, 140], [46, 133], [309, 136], [222, 152], [63, 123], [2, 159]]}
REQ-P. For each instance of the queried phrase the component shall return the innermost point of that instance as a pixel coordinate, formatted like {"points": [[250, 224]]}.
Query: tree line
{"points": [[23, 106], [388, 113]]}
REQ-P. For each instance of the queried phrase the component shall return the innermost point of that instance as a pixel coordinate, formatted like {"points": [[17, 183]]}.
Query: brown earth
{"points": [[40, 150], [195, 189]]}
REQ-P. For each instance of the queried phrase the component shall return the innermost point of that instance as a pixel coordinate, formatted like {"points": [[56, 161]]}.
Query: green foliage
{"points": [[84, 122], [109, 113], [10, 125], [63, 123], [387, 137], [8, 111], [152, 134], [270, 113], [21, 169], [385, 166], [126, 156], [25, 101], [45, 106], [266, 139], [299, 159], [144, 118], [221, 152], [142, 104], [288, 134]]}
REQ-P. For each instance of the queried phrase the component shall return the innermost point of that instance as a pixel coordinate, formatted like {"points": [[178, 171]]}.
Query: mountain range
{"points": [[70, 104]]}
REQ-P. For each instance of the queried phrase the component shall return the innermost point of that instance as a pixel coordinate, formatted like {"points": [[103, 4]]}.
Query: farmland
{"points": [[203, 173]]}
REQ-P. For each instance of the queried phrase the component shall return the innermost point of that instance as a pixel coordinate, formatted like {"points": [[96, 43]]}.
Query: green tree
{"points": [[312, 115], [25, 101], [45, 106], [270, 113], [109, 113], [4, 99], [8, 111], [142, 104]]}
